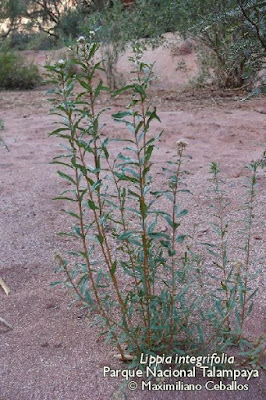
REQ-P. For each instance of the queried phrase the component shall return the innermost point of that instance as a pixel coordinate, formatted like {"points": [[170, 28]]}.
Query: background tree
{"points": [[254, 13], [42, 15], [230, 34]]}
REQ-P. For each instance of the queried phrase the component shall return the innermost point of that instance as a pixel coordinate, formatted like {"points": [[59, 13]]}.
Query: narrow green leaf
{"points": [[148, 153], [113, 268], [181, 238], [92, 205], [57, 131], [100, 238], [181, 213], [65, 176], [56, 283], [72, 214], [123, 89], [121, 114], [64, 198]]}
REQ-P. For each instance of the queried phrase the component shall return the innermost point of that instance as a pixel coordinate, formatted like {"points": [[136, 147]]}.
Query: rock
{"points": [[257, 237]]}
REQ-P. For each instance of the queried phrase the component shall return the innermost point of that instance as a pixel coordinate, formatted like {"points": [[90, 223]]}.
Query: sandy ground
{"points": [[52, 353]]}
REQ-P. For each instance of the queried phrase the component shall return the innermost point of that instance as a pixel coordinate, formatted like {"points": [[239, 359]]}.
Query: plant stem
{"points": [[142, 182], [123, 220], [248, 245], [222, 229], [173, 247]]}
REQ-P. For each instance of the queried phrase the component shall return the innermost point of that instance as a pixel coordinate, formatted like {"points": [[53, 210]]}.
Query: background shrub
{"points": [[232, 34], [15, 73], [30, 41], [71, 25]]}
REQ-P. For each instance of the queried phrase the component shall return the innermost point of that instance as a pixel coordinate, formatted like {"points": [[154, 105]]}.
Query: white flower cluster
{"points": [[81, 40], [61, 62], [181, 143]]}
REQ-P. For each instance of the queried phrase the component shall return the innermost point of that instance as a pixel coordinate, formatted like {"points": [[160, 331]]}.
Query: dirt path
{"points": [[52, 353]]}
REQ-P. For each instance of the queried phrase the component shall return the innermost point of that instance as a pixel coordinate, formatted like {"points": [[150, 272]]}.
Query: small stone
{"points": [[4, 323], [204, 230], [257, 237], [261, 110]]}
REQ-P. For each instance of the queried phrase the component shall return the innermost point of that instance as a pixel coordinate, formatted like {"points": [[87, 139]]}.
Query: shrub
{"points": [[18, 40], [30, 41], [231, 33], [235, 52], [15, 73], [148, 288], [41, 41]]}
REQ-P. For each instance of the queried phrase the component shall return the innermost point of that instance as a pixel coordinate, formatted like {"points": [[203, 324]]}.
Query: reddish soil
{"points": [[52, 353]]}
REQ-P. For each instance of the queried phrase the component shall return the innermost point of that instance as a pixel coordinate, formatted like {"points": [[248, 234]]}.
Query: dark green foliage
{"points": [[234, 43], [71, 24], [59, 19], [30, 41], [145, 19], [15, 73], [27, 15], [230, 34]]}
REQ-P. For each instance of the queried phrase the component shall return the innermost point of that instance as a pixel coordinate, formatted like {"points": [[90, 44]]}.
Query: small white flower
{"points": [[61, 62], [92, 33], [81, 39], [238, 264]]}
